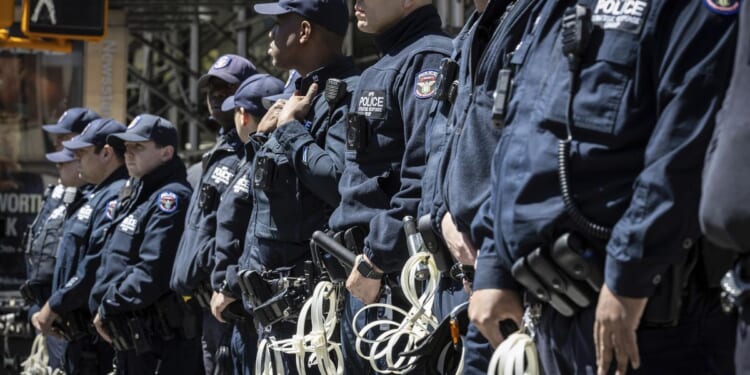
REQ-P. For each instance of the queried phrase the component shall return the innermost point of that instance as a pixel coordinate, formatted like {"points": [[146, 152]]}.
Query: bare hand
{"points": [[297, 107], [219, 302], [270, 120], [458, 243], [489, 307], [99, 325], [43, 319], [365, 289], [617, 318]]}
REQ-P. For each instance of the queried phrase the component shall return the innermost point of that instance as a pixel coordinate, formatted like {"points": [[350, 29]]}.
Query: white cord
{"points": [[517, 355], [416, 324], [317, 342], [38, 360]]}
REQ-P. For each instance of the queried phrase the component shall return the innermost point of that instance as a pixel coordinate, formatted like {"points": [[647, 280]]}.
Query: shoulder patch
{"points": [[622, 15], [222, 175], [129, 224], [371, 103], [111, 207], [84, 214], [242, 186], [426, 84], [57, 212], [724, 7], [168, 201]]}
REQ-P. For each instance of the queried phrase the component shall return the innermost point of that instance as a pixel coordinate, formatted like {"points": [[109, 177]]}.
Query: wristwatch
{"points": [[367, 270]]}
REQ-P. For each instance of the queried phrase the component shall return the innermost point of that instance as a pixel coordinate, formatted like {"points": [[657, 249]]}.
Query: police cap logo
{"points": [[222, 62], [622, 15], [168, 201], [134, 122], [426, 84], [725, 7]]}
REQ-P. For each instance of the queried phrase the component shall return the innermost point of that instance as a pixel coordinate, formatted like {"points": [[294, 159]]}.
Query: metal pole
{"points": [[194, 97], [457, 14], [241, 32]]}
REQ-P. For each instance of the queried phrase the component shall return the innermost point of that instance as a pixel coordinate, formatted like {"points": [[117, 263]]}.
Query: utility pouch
{"points": [[263, 174], [558, 281], [140, 336], [570, 254], [525, 276], [208, 198], [356, 132], [434, 244], [663, 308], [254, 287], [117, 333]]}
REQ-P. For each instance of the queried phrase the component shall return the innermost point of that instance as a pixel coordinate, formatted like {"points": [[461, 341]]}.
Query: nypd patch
{"points": [[242, 186], [57, 212], [134, 122], [128, 224], [426, 84], [622, 15], [222, 175], [84, 214], [724, 7], [111, 208], [168, 201], [222, 62]]}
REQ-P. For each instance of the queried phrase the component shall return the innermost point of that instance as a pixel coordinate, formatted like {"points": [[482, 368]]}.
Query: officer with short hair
{"points": [[148, 325], [194, 262], [724, 205], [79, 253], [232, 219], [595, 188], [299, 157], [385, 146]]}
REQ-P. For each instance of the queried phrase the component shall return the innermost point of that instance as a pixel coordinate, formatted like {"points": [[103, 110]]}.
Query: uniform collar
{"points": [[420, 22], [167, 172], [119, 174], [338, 68]]}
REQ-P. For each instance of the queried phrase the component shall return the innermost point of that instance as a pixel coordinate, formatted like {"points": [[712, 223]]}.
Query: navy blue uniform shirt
{"points": [[79, 254], [464, 181], [232, 219], [41, 241], [382, 181], [307, 159], [650, 86], [142, 242], [194, 260], [725, 204]]}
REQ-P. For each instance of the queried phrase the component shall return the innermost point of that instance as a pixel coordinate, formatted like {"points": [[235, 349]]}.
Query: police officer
{"points": [[724, 209], [598, 173], [134, 308], [232, 219], [385, 145], [79, 254], [70, 124], [42, 250], [190, 275], [300, 158]]}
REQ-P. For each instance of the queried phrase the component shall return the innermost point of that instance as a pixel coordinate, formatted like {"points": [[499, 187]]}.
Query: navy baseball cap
{"points": [[331, 14], [251, 92], [232, 69], [63, 156], [72, 121], [95, 134], [146, 128], [289, 88]]}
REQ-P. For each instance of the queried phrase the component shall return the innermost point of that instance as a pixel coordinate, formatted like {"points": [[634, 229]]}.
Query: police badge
{"points": [[168, 201]]}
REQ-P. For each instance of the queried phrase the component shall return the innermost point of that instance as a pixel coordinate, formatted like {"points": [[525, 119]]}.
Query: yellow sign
{"points": [[6, 13], [65, 19]]}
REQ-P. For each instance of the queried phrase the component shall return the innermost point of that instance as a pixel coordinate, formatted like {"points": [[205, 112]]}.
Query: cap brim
{"points": [[224, 76], [269, 100], [228, 104], [60, 157], [76, 144], [118, 139], [270, 9], [56, 129]]}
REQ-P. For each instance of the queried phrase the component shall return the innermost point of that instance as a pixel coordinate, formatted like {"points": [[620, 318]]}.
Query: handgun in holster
{"points": [[74, 325], [118, 333], [236, 313], [434, 245], [328, 264], [259, 293], [139, 334], [27, 293], [203, 294], [161, 314]]}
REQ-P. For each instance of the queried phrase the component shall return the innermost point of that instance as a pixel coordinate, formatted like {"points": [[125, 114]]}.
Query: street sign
{"points": [[65, 19]]}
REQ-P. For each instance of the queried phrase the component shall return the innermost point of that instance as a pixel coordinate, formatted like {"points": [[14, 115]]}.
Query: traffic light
{"points": [[65, 19], [6, 13]]}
